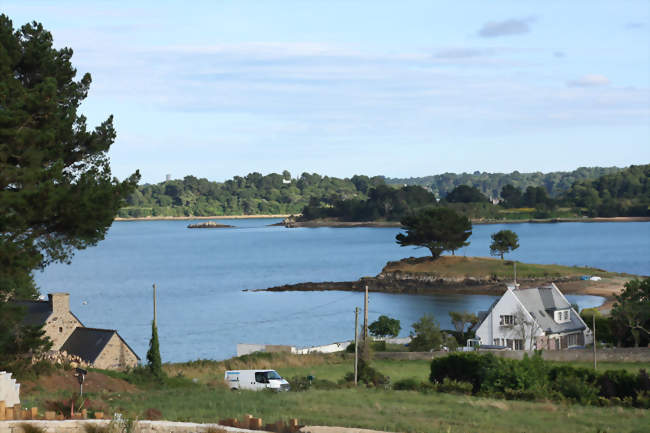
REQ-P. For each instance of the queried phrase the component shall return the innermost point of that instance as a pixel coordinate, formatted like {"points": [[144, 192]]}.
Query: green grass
{"points": [[486, 267], [384, 410], [209, 400]]}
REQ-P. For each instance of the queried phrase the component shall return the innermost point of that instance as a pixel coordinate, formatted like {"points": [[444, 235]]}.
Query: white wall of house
{"points": [[519, 334]]}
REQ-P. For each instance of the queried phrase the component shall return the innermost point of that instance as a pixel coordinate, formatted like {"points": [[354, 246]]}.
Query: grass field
{"points": [[486, 268], [196, 392]]}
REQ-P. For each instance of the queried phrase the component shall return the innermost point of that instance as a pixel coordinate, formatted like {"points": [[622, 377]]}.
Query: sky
{"points": [[216, 89]]}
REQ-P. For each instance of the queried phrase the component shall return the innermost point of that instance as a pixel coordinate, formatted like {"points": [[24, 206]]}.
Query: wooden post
{"points": [[2, 410], [255, 423], [593, 321], [154, 305], [365, 317], [34, 412], [9, 413], [356, 345]]}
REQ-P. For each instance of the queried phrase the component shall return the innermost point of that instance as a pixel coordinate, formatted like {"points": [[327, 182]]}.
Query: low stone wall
{"points": [[624, 354], [78, 426]]}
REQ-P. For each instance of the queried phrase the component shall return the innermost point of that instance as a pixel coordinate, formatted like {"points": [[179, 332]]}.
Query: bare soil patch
{"points": [[64, 380]]}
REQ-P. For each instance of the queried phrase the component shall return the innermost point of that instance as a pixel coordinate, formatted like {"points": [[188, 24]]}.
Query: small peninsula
{"points": [[473, 275]]}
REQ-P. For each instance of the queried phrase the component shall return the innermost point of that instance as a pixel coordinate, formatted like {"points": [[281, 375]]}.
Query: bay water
{"points": [[200, 274]]}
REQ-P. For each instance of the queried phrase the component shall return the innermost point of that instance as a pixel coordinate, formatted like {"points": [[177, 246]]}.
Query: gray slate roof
{"points": [[36, 312], [88, 343], [541, 302]]}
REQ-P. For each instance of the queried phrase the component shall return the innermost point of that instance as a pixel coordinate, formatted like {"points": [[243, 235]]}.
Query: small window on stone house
{"points": [[60, 329]]}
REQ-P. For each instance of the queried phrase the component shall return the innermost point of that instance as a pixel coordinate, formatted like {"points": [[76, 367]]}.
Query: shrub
{"points": [[617, 383], [455, 386], [409, 384], [463, 367]]}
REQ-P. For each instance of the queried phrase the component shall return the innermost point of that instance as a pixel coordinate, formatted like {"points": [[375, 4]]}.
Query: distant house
{"points": [[101, 348], [535, 318]]}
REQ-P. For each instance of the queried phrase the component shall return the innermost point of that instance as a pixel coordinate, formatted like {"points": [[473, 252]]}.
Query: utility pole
{"points": [[365, 316], [593, 323], [356, 345], [154, 305]]}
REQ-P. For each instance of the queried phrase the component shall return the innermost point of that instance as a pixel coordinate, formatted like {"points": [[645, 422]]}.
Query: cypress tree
{"points": [[154, 361]]}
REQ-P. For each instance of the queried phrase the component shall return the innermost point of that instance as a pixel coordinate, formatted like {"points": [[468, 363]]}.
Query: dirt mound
{"points": [[64, 380]]}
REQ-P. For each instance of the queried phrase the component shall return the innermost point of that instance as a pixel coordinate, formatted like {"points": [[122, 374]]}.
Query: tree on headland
{"points": [[57, 194], [503, 242], [385, 326], [438, 229], [632, 308]]}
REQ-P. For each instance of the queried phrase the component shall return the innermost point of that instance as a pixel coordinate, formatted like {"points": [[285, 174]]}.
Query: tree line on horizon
{"points": [[619, 192], [491, 184]]}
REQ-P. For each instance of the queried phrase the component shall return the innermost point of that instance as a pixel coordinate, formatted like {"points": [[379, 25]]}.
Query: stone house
{"points": [[100, 348], [534, 318]]}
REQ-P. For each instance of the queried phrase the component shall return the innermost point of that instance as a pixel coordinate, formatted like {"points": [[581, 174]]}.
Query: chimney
{"points": [[59, 302]]}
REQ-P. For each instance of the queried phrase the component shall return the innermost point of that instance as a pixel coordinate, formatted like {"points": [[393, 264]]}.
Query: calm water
{"points": [[200, 274]]}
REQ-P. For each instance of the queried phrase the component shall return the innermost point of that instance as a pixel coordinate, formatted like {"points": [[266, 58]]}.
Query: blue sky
{"points": [[409, 88]]}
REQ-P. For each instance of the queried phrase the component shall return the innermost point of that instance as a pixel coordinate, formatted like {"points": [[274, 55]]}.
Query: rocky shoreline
{"points": [[417, 284], [293, 222], [209, 225]]}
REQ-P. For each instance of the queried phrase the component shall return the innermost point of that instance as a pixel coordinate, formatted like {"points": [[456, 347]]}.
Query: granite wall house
{"points": [[100, 348]]}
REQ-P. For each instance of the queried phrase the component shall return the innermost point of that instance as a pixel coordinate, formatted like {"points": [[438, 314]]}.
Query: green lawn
{"points": [[208, 400], [486, 267]]}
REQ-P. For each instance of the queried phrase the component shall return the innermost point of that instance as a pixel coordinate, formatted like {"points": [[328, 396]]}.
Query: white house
{"points": [[537, 318]]}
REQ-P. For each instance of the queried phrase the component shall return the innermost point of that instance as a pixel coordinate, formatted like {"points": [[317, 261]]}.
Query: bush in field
{"points": [[409, 384], [463, 367], [533, 378], [454, 386]]}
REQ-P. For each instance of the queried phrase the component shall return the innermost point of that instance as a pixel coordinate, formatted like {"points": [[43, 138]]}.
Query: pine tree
{"points": [[154, 361]]}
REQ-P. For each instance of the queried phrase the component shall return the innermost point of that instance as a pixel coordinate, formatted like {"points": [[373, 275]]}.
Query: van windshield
{"points": [[273, 375]]}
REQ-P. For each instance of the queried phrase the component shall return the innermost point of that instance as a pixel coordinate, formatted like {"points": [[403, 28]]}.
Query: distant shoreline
{"points": [[342, 224], [185, 218], [390, 224]]}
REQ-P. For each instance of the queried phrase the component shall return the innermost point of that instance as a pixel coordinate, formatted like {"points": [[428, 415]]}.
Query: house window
{"points": [[60, 329], [519, 344], [572, 340], [566, 315], [496, 342], [507, 320]]}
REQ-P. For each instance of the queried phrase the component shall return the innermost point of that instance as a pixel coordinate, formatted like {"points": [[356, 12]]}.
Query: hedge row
{"points": [[533, 378]]}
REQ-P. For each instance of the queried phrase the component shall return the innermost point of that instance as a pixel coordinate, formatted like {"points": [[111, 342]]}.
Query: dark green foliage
{"points": [[57, 194], [463, 367], [491, 184], [408, 384], [632, 308], [438, 229], [154, 362], [383, 203], [385, 326], [251, 194], [503, 241], [510, 196], [535, 379], [426, 335], [625, 193], [465, 194]]}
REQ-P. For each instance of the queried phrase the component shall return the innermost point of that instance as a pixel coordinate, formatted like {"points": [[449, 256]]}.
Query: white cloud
{"points": [[589, 80], [512, 26]]}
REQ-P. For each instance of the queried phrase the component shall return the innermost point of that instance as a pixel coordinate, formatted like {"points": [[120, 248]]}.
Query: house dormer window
{"points": [[562, 316], [506, 320]]}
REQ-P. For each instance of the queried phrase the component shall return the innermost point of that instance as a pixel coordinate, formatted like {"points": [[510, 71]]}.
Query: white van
{"points": [[256, 380]]}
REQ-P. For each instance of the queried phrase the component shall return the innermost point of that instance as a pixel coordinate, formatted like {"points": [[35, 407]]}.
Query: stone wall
{"points": [[61, 323], [623, 354], [78, 426], [116, 356]]}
